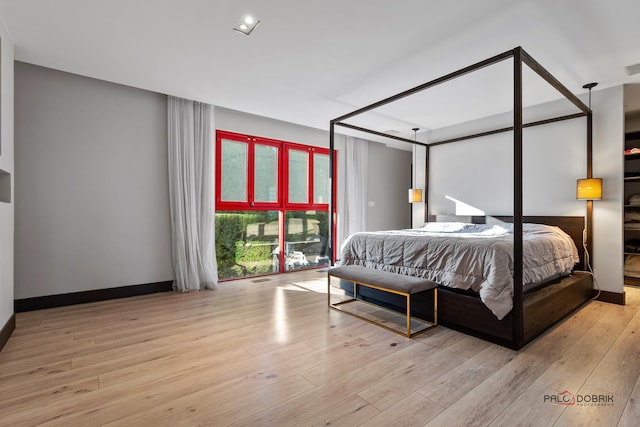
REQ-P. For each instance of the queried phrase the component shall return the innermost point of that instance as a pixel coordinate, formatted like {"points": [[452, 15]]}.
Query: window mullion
{"points": [[251, 171], [311, 199]]}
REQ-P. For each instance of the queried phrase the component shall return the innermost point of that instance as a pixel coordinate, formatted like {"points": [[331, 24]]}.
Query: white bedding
{"points": [[478, 257]]}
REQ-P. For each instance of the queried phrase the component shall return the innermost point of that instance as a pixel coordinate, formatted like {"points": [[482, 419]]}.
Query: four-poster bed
{"points": [[532, 312]]}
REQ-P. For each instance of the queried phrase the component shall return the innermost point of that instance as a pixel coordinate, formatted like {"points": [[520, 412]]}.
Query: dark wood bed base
{"points": [[464, 312], [542, 308]]}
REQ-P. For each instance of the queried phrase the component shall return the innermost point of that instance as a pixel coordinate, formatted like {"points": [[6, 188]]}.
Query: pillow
{"points": [[445, 227]]}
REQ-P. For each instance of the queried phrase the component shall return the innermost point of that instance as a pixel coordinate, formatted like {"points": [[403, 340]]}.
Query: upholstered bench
{"points": [[399, 284]]}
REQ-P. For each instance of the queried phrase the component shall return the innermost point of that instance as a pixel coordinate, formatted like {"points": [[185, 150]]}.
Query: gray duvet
{"points": [[477, 257]]}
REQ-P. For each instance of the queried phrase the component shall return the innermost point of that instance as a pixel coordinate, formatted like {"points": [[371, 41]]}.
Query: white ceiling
{"points": [[311, 61]]}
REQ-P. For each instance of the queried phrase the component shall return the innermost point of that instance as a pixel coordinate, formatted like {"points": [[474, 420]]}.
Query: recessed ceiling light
{"points": [[246, 24]]}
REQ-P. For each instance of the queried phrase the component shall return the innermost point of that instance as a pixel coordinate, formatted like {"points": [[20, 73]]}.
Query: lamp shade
{"points": [[415, 195], [589, 189]]}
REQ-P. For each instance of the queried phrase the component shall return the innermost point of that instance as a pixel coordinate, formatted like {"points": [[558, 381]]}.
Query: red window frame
{"points": [[282, 204], [282, 201], [251, 142], [310, 205]]}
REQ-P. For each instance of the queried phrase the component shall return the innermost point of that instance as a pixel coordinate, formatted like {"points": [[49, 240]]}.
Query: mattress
{"points": [[476, 257]]}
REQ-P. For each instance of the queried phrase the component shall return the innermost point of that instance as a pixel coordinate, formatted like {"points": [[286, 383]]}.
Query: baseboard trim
{"points": [[61, 300], [612, 297], [7, 330]]}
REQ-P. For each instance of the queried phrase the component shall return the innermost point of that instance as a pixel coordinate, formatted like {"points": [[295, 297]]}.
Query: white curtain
{"points": [[353, 159], [191, 194]]}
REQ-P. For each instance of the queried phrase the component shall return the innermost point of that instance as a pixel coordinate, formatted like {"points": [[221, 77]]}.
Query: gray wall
{"points": [[7, 165], [478, 174], [475, 177], [91, 162], [632, 121], [92, 202], [389, 181], [92, 197], [250, 124], [608, 164]]}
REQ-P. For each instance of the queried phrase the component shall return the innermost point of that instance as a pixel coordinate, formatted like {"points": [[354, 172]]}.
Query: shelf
{"points": [[632, 227], [632, 253], [631, 178], [628, 280], [634, 156], [631, 136]]}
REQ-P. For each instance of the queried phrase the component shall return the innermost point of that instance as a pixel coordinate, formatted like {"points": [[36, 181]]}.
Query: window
{"points": [[272, 202], [247, 172], [298, 177], [265, 175], [247, 243], [235, 159], [320, 178], [305, 238]]}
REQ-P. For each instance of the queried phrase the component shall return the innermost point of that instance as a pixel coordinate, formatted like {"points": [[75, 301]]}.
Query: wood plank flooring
{"points": [[271, 353]]}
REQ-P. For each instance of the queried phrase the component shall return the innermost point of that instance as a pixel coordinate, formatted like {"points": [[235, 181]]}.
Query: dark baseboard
{"points": [[7, 330], [61, 300], [612, 297]]}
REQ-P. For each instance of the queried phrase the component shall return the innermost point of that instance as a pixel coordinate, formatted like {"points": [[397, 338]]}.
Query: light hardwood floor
{"points": [[270, 353]]}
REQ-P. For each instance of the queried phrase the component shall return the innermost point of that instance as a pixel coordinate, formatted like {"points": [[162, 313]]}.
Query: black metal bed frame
{"points": [[519, 57]]}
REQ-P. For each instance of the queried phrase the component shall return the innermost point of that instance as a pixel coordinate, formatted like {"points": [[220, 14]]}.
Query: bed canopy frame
{"points": [[520, 57]]}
